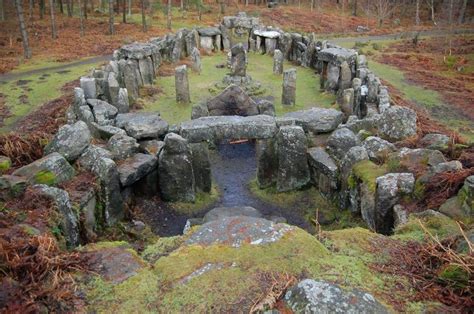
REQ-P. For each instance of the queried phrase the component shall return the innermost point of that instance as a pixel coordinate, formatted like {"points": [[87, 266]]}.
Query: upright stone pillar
{"points": [[267, 162], [289, 87], [278, 62], [201, 166], [182, 84], [238, 62], [293, 170], [196, 60], [176, 176], [346, 76]]}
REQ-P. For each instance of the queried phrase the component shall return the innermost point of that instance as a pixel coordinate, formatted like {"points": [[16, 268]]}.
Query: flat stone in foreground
{"points": [[238, 230], [228, 127]]}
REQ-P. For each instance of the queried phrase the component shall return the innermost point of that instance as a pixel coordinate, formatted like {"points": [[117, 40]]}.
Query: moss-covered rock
{"points": [[368, 172]]}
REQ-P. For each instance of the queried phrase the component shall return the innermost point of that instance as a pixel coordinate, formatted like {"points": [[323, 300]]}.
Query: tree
{"points": [[431, 4], [61, 9], [24, 33], [69, 8], [462, 12], [129, 7], [417, 15], [145, 29], [124, 11], [81, 17], [111, 17], [41, 9], [168, 15], [53, 22], [354, 8], [383, 8], [85, 9], [2, 10]]}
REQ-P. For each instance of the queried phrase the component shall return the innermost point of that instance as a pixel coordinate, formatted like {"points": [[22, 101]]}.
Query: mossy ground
{"points": [[259, 68], [203, 200], [23, 96], [438, 225], [236, 283], [308, 202]]}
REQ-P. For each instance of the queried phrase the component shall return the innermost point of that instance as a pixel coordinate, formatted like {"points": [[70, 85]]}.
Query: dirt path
{"points": [[15, 76]]}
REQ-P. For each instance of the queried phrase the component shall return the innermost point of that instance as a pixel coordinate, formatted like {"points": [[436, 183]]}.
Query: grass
{"points": [[24, 99], [259, 67], [307, 202], [203, 200]]}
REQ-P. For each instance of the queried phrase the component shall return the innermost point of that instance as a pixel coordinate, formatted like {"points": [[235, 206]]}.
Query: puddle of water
{"points": [[233, 167]]}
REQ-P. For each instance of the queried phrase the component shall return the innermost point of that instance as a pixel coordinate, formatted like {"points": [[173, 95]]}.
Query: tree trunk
{"points": [[24, 33], [354, 8], [199, 3], [111, 17], [417, 17], [462, 13], [246, 3], [31, 7], [81, 17], [2, 10], [129, 7], [53, 22], [124, 11], [145, 28], [69, 8], [168, 16], [85, 9], [61, 8], [182, 5], [41, 9], [222, 7]]}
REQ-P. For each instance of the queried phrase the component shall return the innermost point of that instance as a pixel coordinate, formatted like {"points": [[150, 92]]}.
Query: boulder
{"points": [[232, 101], [91, 154], [417, 159], [142, 125], [435, 141], [293, 170], [340, 141], [201, 166], [176, 176], [105, 132], [85, 114], [122, 146], [136, 167], [235, 231], [390, 188], [397, 123], [449, 166], [346, 76], [12, 186], [70, 141], [377, 148], [317, 120], [266, 107], [152, 147], [104, 112], [324, 171], [198, 111], [221, 212], [311, 296], [51, 169], [68, 221], [208, 31]]}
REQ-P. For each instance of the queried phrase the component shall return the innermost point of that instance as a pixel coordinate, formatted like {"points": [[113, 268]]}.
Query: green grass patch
{"points": [[203, 200], [37, 90], [368, 172], [259, 68]]}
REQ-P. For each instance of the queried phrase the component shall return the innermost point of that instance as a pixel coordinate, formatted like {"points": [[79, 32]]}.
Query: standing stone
{"points": [[130, 79], [182, 84], [270, 45], [113, 88], [196, 60], [147, 71], [238, 62], [176, 177], [267, 162], [89, 87], [191, 41], [346, 76], [201, 166], [293, 170], [122, 104], [347, 101], [277, 62], [288, 96], [332, 80]]}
